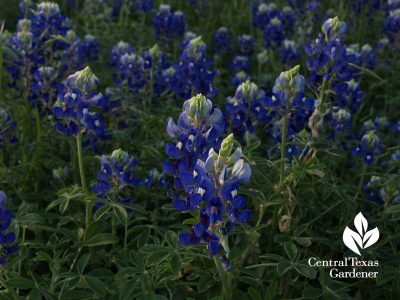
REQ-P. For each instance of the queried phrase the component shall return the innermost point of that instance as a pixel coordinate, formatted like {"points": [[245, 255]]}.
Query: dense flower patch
{"points": [[199, 149]]}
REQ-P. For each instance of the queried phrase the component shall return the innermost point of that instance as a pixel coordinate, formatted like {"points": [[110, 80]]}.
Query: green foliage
{"points": [[131, 251]]}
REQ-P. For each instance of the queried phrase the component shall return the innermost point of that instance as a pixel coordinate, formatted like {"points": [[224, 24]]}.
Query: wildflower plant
{"points": [[7, 239], [207, 175], [238, 196]]}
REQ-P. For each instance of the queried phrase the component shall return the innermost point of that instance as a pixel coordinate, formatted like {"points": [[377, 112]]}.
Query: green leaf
{"points": [[127, 290], [254, 294], [291, 250], [82, 262], [176, 263], [143, 237], [305, 270], [205, 283], [101, 212], [392, 209], [171, 238], [271, 291], [190, 221], [312, 293], [101, 239], [121, 214], [136, 259], [283, 267], [304, 241], [20, 283], [96, 285], [64, 206], [30, 219], [158, 256], [34, 294]]}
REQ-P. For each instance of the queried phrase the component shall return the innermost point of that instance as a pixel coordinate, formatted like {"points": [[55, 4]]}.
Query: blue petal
{"points": [[244, 216], [213, 247], [180, 205], [198, 229], [184, 239], [238, 202]]}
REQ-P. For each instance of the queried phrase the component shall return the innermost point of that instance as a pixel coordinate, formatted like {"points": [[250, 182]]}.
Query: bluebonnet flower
{"points": [[289, 52], [373, 189], [239, 66], [118, 50], [263, 13], [20, 45], [240, 63], [273, 33], [89, 48], [289, 104], [329, 56], [6, 127], [48, 21], [277, 24], [334, 29], [392, 23], [25, 9], [369, 147], [168, 24], [217, 182], [364, 56], [143, 5], [74, 108], [288, 92], [221, 40], [41, 42], [340, 121], [136, 71], [7, 240], [130, 70], [76, 52], [155, 64], [186, 40], [198, 130], [239, 78], [204, 179], [192, 74], [116, 173], [247, 110], [154, 177], [245, 44], [330, 64], [44, 87]]}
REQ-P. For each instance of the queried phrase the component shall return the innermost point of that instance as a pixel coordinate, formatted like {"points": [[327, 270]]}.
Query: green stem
{"points": [[283, 144], [322, 93], [126, 237], [226, 279], [37, 143], [260, 214], [22, 245], [70, 269], [83, 177], [113, 225]]}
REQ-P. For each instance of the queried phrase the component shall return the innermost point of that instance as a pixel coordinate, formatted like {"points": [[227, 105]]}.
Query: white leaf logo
{"points": [[363, 239]]}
